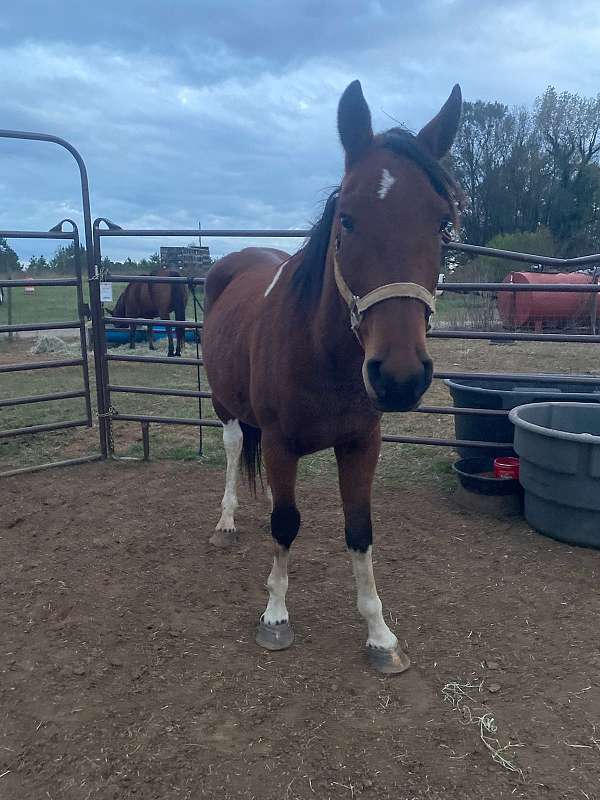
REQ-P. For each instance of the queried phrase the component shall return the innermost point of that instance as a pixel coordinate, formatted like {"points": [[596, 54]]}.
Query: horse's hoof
{"points": [[274, 637], [224, 539], [389, 662], [170, 355]]}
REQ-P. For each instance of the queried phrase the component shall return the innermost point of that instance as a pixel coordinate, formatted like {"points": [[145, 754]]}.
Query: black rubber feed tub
{"points": [[477, 475], [559, 450], [494, 394], [480, 492]]}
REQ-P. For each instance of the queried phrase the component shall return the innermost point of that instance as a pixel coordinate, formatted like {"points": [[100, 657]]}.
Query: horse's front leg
{"points": [[274, 631], [356, 467], [151, 338]]}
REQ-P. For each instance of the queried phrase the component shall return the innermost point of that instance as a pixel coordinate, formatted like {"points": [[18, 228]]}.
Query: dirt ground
{"points": [[129, 668]]}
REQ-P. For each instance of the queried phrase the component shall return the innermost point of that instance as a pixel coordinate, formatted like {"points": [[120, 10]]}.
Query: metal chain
{"points": [[109, 416]]}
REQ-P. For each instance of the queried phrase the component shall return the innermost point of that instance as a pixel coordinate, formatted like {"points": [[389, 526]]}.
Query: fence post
{"points": [[99, 340]]}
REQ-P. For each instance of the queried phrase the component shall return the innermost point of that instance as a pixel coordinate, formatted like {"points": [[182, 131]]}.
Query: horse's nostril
{"points": [[394, 393]]}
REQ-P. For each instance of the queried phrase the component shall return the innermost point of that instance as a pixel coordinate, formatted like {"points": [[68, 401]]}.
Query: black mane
{"points": [[308, 277]]}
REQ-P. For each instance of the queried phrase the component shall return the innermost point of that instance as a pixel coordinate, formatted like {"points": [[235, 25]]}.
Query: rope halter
{"points": [[358, 305]]}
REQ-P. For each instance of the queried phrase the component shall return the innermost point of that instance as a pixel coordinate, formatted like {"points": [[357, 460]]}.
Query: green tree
{"points": [[63, 261], [523, 169], [42, 266], [9, 261], [495, 270]]}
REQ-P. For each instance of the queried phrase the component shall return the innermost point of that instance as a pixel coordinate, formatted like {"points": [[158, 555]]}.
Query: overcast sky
{"points": [[224, 112]]}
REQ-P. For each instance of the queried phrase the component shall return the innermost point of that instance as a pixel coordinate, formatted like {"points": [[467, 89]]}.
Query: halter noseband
{"points": [[358, 305]]}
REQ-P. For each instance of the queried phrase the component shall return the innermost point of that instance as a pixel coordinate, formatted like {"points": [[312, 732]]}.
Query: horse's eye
{"points": [[347, 222]]}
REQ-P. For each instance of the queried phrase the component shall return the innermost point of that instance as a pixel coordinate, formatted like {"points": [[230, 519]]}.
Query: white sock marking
{"points": [[386, 183], [232, 441], [369, 604], [276, 278], [277, 584]]}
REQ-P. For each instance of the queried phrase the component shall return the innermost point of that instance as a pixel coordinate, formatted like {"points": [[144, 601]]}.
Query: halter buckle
{"points": [[355, 315]]}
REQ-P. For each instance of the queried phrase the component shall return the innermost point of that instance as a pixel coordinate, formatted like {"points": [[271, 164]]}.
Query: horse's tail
{"points": [[251, 454]]}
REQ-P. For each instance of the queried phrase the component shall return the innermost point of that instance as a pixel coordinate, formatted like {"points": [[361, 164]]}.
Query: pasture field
{"points": [[129, 666], [55, 303]]}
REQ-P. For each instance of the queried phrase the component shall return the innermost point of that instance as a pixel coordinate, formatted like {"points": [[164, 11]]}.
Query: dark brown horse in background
{"points": [[151, 300], [305, 352]]}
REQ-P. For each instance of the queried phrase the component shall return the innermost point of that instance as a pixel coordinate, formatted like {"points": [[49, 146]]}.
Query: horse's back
{"points": [[234, 289], [258, 262]]}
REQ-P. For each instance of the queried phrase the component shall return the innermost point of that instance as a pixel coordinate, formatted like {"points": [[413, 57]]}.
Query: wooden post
{"points": [[146, 440]]}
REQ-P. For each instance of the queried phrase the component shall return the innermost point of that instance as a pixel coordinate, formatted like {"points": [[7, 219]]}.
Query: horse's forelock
{"points": [[403, 143]]}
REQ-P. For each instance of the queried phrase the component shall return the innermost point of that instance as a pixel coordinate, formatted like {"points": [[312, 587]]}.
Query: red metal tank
{"points": [[539, 309]]}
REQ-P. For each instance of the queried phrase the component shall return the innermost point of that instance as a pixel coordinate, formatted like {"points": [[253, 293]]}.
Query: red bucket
{"points": [[506, 467]]}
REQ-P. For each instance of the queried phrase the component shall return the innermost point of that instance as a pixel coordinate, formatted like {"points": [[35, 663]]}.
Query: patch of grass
{"points": [[59, 303]]}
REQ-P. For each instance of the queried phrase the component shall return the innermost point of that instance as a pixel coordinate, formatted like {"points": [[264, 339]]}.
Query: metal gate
{"points": [[10, 285]]}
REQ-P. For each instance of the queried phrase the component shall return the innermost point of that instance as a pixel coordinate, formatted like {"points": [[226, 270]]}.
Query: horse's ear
{"points": [[354, 123], [437, 136]]}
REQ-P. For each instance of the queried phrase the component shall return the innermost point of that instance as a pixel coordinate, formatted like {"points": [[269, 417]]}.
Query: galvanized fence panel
{"points": [[464, 288], [57, 232], [79, 324]]}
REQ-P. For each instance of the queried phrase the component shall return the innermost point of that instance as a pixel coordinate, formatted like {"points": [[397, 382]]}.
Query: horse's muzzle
{"points": [[390, 394]]}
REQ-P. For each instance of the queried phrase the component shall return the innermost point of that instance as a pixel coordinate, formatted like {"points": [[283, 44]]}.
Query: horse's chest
{"points": [[318, 420]]}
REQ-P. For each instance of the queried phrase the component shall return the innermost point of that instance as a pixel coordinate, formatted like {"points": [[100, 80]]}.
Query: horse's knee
{"points": [[285, 524]]}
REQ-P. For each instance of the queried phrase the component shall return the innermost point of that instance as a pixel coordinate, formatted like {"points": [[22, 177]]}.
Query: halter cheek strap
{"points": [[358, 305]]}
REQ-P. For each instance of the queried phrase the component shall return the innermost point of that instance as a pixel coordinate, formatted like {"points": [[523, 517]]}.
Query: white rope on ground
{"points": [[456, 694]]}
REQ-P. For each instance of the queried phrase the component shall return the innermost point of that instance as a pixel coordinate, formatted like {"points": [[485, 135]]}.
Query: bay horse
{"points": [[150, 300], [305, 352]]}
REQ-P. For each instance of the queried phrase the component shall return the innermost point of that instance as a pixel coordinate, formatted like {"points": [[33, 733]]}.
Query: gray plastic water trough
{"points": [[559, 448]]}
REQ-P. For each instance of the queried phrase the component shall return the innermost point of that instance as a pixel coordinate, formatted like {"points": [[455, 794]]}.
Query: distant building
{"points": [[191, 259]]}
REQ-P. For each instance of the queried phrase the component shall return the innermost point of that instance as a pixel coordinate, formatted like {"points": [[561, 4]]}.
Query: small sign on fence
{"points": [[106, 294]]}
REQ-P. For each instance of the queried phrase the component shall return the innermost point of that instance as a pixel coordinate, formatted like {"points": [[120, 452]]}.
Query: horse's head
{"points": [[395, 202]]}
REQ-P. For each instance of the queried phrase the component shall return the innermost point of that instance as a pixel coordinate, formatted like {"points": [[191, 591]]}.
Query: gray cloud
{"points": [[225, 111]]}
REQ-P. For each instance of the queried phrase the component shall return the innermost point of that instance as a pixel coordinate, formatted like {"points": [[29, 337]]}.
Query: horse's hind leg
{"points": [[232, 441], [356, 467], [274, 631], [151, 338], [171, 351], [180, 336], [132, 336]]}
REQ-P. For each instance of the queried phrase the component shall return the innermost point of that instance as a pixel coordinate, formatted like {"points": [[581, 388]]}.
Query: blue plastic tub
{"points": [[559, 450], [494, 394]]}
